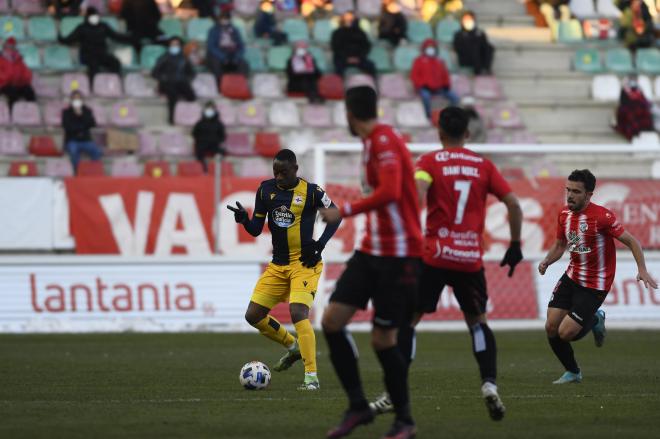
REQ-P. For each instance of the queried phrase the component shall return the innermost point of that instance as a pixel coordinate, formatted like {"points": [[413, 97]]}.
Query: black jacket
{"points": [[173, 68], [350, 41], [209, 133], [392, 25], [77, 127], [142, 17], [93, 40]]}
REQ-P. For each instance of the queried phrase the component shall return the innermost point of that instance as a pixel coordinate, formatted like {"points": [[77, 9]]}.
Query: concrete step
{"points": [[496, 7], [545, 90]]}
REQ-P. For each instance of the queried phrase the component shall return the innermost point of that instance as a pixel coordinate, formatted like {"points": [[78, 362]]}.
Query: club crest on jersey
{"points": [[272, 196], [574, 244], [443, 232], [297, 199], [583, 227], [283, 217]]}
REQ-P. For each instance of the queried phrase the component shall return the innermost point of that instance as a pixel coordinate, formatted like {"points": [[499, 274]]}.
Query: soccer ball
{"points": [[255, 375]]}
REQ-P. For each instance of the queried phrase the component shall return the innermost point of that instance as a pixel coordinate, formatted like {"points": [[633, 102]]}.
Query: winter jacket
{"points": [[430, 72], [213, 44], [350, 42], [77, 126], [14, 72], [173, 68], [142, 17], [264, 24], [209, 133], [93, 40]]}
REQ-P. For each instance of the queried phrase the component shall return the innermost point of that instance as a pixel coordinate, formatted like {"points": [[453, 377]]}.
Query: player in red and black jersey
{"points": [[588, 231]]}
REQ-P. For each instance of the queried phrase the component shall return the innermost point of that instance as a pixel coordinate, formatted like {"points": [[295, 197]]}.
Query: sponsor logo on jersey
{"points": [[283, 217], [575, 245]]}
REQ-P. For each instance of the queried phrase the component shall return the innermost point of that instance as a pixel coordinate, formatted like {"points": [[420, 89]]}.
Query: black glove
{"points": [[311, 254], [512, 256], [240, 214]]}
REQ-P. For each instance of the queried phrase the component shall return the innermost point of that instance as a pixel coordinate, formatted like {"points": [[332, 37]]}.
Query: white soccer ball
{"points": [[255, 375]]}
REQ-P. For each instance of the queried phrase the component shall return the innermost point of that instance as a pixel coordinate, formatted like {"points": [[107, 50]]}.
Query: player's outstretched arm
{"points": [[513, 255], [253, 226], [642, 274], [555, 252]]}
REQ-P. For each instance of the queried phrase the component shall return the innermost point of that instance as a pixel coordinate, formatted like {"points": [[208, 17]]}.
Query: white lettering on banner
{"points": [[654, 235], [132, 241], [497, 225], [192, 235]]}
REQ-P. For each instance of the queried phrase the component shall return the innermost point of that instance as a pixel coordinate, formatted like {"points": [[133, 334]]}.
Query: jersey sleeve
{"points": [[497, 185], [260, 207], [321, 198], [610, 225], [423, 168], [560, 228]]}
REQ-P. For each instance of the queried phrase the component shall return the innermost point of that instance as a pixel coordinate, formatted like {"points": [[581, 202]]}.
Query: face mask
{"points": [[77, 103], [209, 112], [175, 50], [94, 20], [429, 51], [468, 25], [301, 51]]}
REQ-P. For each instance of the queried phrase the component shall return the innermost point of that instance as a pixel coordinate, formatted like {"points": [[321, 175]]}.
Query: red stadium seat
{"points": [[238, 144], [331, 86], [23, 168], [235, 86], [157, 168], [44, 146], [267, 144], [125, 168], [226, 168], [190, 168], [90, 168]]}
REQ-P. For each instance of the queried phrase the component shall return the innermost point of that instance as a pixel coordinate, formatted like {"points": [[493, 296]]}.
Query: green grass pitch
{"points": [[186, 386]]}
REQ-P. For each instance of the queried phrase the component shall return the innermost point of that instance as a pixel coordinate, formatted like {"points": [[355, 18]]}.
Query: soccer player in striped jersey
{"points": [[587, 231]]}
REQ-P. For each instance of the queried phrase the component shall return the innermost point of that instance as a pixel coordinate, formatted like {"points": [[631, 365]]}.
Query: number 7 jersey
{"points": [[460, 181]]}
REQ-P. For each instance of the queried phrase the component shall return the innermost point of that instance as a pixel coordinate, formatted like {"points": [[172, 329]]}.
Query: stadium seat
{"points": [[227, 112], [252, 114], [187, 113], [127, 57], [341, 6], [445, 30], [644, 83], [5, 116], [338, 135], [284, 114], [446, 57], [205, 86], [411, 114], [656, 86], [239, 144], [189, 168], [68, 24], [57, 57], [278, 57], [266, 85], [523, 137], [317, 116], [369, 8], [296, 29], [111, 21], [569, 31], [461, 85], [139, 86], [385, 112], [360, 79], [319, 57], [124, 114], [322, 31], [381, 58], [171, 26], [606, 8], [125, 167], [495, 137], [487, 87], [198, 28], [11, 26], [29, 7], [43, 146], [149, 55], [582, 8], [588, 60], [53, 112], [235, 86], [58, 168], [26, 114], [339, 114], [4, 7], [246, 7], [42, 28], [11, 143], [107, 85], [44, 88], [226, 168], [74, 82], [418, 31], [255, 167], [404, 56], [267, 144], [619, 60], [90, 168], [100, 112], [148, 144], [394, 86], [506, 115], [156, 169], [255, 59], [174, 144], [648, 61], [30, 54], [23, 168], [331, 86]]}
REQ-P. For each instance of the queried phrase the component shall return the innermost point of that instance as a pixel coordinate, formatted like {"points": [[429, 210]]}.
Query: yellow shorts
{"points": [[281, 283]]}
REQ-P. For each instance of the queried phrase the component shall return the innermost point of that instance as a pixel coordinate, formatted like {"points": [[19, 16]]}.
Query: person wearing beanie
{"points": [[15, 76]]}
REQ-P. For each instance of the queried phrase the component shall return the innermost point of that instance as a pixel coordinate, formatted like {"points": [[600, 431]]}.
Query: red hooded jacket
{"points": [[13, 71], [428, 71]]}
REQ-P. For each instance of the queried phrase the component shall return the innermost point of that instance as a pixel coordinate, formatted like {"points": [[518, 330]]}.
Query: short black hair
{"points": [[286, 155], [586, 177], [362, 102], [454, 122]]}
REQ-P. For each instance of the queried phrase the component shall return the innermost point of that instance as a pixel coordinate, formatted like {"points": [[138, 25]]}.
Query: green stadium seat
{"points": [[30, 54], [445, 30], [588, 60], [619, 60], [322, 32], [319, 57], [381, 58], [171, 27], [296, 29], [111, 21], [58, 57], [365, 25], [569, 31], [445, 56], [419, 31], [11, 27], [404, 56], [255, 59], [198, 28], [149, 55], [242, 28], [42, 28], [68, 24], [648, 61], [127, 57], [278, 56]]}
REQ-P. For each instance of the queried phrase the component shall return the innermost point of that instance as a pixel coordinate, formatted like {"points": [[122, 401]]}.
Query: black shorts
{"points": [[390, 283], [581, 302], [469, 289]]}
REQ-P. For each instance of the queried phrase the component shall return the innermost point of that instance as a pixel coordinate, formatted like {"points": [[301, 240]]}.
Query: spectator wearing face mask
{"points": [[15, 76], [265, 25], [633, 115], [77, 121], [392, 24], [472, 46], [430, 77], [350, 47], [208, 134], [225, 50], [174, 74], [303, 73], [93, 35]]}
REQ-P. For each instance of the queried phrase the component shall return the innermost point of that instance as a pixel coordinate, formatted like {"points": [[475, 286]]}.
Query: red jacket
{"points": [[14, 72], [429, 72]]}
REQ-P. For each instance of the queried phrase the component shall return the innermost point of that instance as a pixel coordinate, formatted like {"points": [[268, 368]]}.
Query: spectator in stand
{"points": [[430, 76], [472, 46], [208, 134], [142, 18], [314, 10], [15, 76], [225, 49], [303, 73], [265, 25], [350, 46], [432, 11], [92, 35], [63, 8], [212, 8], [77, 121], [633, 114], [392, 24], [174, 74], [476, 124], [636, 28]]}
